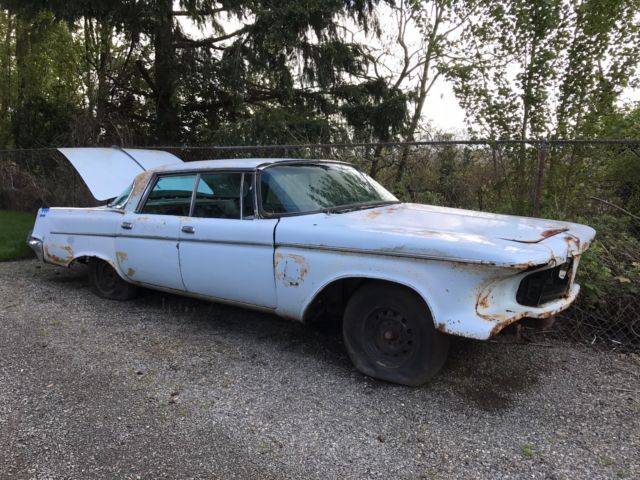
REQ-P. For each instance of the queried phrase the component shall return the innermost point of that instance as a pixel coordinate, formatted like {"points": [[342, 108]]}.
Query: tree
{"points": [[543, 68]]}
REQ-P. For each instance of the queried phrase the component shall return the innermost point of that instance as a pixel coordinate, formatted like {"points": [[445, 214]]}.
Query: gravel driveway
{"points": [[165, 387]]}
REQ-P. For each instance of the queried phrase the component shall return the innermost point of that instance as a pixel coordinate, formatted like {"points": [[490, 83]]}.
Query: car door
{"points": [[147, 238], [226, 252]]}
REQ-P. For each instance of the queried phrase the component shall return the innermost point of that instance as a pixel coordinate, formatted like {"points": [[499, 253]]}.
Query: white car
{"points": [[305, 239]]}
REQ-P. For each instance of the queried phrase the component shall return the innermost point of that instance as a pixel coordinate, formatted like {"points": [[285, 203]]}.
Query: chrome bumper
{"points": [[36, 246]]}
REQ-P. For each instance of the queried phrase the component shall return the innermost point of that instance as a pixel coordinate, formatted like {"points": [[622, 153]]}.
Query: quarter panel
{"points": [[70, 233]]}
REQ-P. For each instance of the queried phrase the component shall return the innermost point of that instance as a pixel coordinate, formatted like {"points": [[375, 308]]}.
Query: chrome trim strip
{"points": [[226, 242], [384, 253], [326, 248], [85, 234], [173, 239]]}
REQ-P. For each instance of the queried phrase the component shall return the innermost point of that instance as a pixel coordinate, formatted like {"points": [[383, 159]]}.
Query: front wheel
{"points": [[389, 334], [106, 283]]}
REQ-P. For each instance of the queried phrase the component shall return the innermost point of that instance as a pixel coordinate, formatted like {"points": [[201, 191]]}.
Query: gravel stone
{"points": [[168, 387]]}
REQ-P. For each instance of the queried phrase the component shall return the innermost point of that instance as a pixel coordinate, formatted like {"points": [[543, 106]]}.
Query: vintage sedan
{"points": [[308, 239]]}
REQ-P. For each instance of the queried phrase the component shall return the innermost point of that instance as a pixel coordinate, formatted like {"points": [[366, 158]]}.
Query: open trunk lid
{"points": [[108, 171]]}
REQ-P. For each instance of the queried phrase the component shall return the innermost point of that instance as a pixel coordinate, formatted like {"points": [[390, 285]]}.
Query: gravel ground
{"points": [[165, 387]]}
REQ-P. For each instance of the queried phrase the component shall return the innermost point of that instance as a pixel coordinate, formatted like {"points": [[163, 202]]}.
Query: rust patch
{"points": [[296, 274], [550, 232], [302, 264], [573, 244], [122, 257], [483, 300], [130, 272], [57, 259], [531, 264], [373, 214], [497, 328], [139, 184], [553, 231]]}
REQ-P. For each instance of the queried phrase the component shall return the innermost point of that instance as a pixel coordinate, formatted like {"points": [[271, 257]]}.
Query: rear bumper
{"points": [[36, 245]]}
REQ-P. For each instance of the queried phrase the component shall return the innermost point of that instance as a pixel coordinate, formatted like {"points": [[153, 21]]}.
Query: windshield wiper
{"points": [[361, 206]]}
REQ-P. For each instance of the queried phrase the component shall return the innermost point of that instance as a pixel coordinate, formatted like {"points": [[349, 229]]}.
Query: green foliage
{"points": [[609, 271], [123, 71], [13, 235], [532, 68]]}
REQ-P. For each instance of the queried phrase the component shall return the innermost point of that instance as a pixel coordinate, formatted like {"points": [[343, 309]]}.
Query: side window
{"points": [[218, 196], [171, 195]]}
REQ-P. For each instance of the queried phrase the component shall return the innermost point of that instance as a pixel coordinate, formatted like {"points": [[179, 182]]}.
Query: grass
{"points": [[14, 227], [527, 451]]}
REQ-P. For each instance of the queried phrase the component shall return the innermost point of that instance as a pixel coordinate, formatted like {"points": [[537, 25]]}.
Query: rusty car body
{"points": [[404, 276]]}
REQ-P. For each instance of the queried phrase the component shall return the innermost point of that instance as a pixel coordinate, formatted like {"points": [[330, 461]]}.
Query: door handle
{"points": [[188, 229], [126, 225]]}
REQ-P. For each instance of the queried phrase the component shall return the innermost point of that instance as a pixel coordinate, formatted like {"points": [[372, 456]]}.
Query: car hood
{"points": [[440, 233], [417, 219], [108, 171]]}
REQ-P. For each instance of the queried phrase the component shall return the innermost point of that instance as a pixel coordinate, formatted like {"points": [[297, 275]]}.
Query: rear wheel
{"points": [[389, 334], [106, 283]]}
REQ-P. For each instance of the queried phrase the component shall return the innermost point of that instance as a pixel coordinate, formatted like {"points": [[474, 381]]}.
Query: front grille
{"points": [[541, 287]]}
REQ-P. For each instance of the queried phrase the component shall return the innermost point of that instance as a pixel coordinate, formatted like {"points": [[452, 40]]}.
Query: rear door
{"points": [[226, 252], [147, 239]]}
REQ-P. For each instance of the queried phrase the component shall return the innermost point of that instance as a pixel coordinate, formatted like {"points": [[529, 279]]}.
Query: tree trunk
{"points": [[20, 123], [104, 59], [165, 68], [22, 52], [6, 84]]}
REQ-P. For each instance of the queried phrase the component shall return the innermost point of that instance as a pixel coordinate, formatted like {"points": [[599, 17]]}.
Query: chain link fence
{"points": [[589, 181]]}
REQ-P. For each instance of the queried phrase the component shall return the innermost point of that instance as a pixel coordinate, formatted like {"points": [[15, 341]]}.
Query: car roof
{"points": [[234, 163]]}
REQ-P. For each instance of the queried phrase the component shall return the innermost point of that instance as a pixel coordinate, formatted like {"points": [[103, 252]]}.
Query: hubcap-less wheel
{"points": [[394, 338], [389, 334], [106, 282], [107, 278]]}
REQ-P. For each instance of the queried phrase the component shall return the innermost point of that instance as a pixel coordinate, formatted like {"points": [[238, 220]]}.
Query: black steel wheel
{"points": [[390, 335], [106, 283]]}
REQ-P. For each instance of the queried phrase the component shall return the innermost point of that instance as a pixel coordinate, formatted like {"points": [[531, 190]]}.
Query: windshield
{"points": [[298, 188]]}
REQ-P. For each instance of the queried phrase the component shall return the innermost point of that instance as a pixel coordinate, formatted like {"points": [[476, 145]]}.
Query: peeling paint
{"points": [[52, 257], [483, 300], [550, 232], [529, 265], [122, 257], [290, 268], [373, 214]]}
